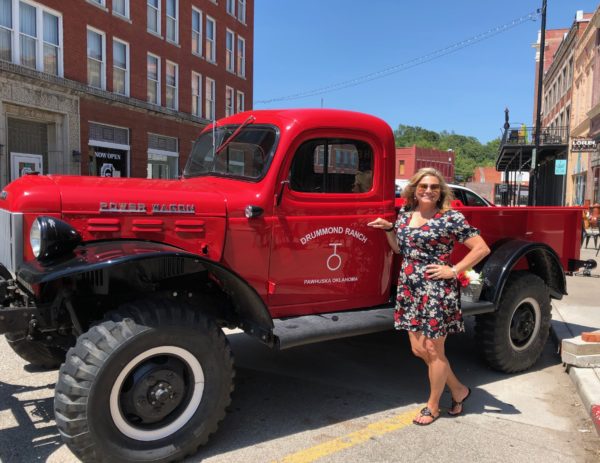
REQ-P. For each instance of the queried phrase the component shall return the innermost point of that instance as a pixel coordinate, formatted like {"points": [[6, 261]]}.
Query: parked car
{"points": [[466, 196]]}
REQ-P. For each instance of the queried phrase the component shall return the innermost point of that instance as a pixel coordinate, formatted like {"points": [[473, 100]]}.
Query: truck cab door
{"points": [[324, 257]]}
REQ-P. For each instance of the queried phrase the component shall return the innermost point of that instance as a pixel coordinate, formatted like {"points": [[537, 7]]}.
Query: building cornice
{"points": [[83, 90]]}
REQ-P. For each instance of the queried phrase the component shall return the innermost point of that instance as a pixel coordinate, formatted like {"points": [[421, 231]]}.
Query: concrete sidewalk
{"points": [[577, 313]]}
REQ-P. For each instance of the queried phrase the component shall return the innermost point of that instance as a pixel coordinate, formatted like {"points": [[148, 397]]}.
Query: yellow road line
{"points": [[378, 428]]}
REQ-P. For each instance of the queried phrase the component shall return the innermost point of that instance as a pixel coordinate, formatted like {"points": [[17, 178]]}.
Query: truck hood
{"points": [[31, 193], [94, 195]]}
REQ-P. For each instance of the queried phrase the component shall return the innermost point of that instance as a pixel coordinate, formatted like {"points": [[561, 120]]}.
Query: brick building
{"points": [[117, 87], [410, 159]]}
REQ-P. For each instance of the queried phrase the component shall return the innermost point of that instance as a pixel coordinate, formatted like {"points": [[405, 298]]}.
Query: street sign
{"points": [[560, 167], [583, 144]]}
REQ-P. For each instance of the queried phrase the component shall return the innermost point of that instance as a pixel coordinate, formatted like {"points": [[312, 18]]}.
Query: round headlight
{"points": [[50, 238], [35, 238]]}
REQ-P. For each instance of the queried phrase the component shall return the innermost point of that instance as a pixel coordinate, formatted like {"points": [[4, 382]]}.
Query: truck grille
{"points": [[11, 240]]}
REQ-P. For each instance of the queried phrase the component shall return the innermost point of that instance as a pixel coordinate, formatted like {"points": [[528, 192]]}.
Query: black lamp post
{"points": [[538, 117]]}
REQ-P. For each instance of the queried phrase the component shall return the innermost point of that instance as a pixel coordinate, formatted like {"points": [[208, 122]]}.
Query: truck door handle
{"points": [[280, 194]]}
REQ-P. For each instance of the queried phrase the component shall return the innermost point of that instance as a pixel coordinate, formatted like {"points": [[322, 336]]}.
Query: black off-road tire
{"points": [[147, 352], [513, 338], [35, 352]]}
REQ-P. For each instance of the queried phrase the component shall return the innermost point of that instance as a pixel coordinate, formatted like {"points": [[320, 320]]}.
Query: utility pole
{"points": [[538, 118]]}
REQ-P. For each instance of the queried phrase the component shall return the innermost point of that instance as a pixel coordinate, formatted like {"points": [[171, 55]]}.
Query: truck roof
{"points": [[303, 119]]}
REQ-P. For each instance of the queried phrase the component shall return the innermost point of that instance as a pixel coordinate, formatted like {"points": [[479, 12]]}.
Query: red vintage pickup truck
{"points": [[126, 283]]}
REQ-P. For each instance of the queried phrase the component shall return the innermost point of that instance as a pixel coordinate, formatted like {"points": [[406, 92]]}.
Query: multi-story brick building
{"points": [[117, 87], [550, 180], [410, 159]]}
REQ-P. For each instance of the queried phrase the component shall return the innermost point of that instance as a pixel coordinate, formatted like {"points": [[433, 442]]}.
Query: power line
{"points": [[409, 64]]}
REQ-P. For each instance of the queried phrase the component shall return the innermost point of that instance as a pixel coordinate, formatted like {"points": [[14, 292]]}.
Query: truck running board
{"points": [[308, 329]]}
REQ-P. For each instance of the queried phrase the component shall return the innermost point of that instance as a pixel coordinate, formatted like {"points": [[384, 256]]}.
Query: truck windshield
{"points": [[246, 155]]}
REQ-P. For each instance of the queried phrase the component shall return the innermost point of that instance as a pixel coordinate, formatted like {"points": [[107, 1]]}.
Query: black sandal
{"points": [[456, 404], [425, 411]]}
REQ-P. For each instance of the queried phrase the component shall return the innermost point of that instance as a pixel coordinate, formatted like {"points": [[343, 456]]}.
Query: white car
{"points": [[467, 196]]}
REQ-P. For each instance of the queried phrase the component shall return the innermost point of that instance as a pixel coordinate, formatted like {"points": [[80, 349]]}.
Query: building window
{"points": [[229, 54], [400, 167], [196, 94], [163, 157], [242, 11], [39, 34], [120, 67], [241, 57], [231, 7], [121, 8], [240, 102], [51, 43], [154, 16], [28, 37], [172, 23], [96, 65], [229, 101], [6, 30], [172, 85], [209, 99], [153, 79], [211, 44], [196, 32], [101, 3]]}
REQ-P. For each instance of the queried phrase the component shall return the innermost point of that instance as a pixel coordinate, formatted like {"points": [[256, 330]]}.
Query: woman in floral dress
{"points": [[428, 300]]}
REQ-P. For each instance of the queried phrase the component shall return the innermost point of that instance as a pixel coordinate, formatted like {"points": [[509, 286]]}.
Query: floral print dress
{"points": [[424, 304]]}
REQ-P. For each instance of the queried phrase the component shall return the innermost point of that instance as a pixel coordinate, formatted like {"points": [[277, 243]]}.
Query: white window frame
{"points": [[174, 87], [158, 21], [39, 38], [175, 21], [11, 31], [212, 40], [127, 87], [199, 39], [229, 95], [230, 53], [127, 14], [98, 3], [209, 103], [197, 97], [241, 57], [241, 11], [230, 7], [158, 82], [240, 107], [103, 62]]}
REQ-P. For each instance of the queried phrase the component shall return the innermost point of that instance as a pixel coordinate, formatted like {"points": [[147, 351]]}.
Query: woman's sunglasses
{"points": [[432, 186]]}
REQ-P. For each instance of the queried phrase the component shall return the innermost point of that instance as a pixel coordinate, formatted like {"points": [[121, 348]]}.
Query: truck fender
{"points": [[113, 255], [542, 261]]}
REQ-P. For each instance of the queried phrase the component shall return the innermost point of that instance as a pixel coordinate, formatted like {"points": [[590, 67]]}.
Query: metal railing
{"points": [[526, 136]]}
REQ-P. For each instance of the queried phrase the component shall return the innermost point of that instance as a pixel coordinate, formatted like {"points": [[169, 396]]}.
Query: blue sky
{"points": [[310, 44]]}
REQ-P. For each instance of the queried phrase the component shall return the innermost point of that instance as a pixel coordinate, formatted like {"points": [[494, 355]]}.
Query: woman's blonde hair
{"points": [[410, 189]]}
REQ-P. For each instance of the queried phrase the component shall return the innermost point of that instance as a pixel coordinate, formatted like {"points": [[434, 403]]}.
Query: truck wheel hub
{"points": [[524, 324], [158, 387]]}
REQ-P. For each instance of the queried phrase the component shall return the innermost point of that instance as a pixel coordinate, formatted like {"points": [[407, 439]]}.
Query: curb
{"points": [[586, 380]]}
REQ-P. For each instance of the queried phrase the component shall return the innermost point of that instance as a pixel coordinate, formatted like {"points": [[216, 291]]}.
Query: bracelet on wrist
{"points": [[454, 271], [387, 230]]}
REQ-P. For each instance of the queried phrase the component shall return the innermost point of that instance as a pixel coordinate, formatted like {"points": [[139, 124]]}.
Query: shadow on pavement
{"points": [[33, 425], [284, 393]]}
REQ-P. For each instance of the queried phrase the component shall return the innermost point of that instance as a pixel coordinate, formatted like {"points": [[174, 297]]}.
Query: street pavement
{"points": [[577, 313], [349, 400], [352, 400]]}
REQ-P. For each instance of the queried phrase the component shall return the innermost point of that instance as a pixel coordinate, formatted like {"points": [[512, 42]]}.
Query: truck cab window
{"points": [[332, 166]]}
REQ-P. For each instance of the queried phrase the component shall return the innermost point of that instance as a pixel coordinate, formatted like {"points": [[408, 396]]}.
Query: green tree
{"points": [[469, 152]]}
